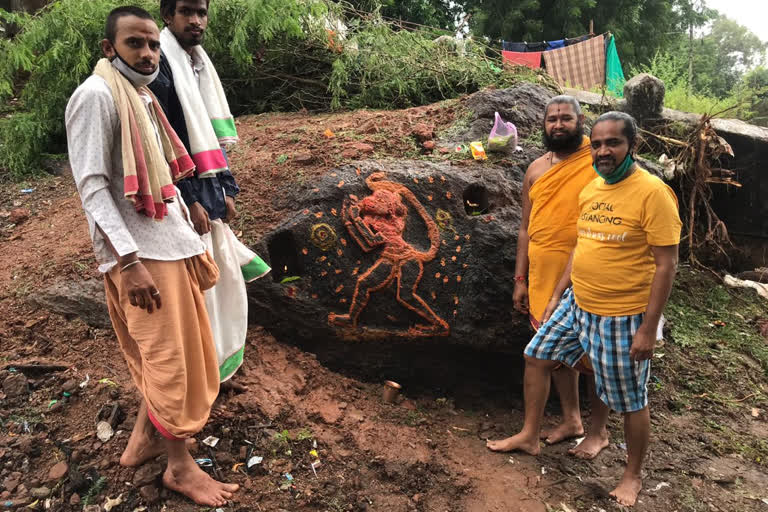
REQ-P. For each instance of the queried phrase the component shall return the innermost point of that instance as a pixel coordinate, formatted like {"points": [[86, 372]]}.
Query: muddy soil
{"points": [[327, 440]]}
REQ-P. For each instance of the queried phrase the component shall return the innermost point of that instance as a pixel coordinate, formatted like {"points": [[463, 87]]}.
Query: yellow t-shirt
{"points": [[613, 265]]}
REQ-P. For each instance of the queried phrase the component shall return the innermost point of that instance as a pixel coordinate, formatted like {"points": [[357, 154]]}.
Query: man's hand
{"points": [[551, 307], [231, 210], [520, 297], [199, 218], [643, 343], [141, 288]]}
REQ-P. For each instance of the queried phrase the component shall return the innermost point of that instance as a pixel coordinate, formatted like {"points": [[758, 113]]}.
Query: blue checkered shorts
{"points": [[570, 332]]}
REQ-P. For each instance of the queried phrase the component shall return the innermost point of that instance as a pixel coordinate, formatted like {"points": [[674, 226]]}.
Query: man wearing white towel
{"points": [[189, 90]]}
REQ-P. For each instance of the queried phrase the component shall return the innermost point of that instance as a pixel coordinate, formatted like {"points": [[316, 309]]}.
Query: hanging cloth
{"points": [[554, 45], [530, 59], [514, 47], [580, 65], [614, 76]]}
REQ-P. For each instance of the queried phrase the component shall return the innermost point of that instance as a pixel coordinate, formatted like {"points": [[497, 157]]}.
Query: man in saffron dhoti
{"points": [[547, 237], [609, 301], [191, 94], [125, 159]]}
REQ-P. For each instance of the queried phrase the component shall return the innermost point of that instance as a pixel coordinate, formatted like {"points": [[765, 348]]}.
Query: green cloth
{"points": [[614, 76], [254, 269], [230, 366]]}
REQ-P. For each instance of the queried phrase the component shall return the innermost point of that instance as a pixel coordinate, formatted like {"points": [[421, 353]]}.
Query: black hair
{"points": [[567, 100], [630, 125], [168, 7], [110, 32]]}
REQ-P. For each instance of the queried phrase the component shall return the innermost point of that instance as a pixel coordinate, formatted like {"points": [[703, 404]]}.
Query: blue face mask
{"points": [[137, 78], [619, 173]]}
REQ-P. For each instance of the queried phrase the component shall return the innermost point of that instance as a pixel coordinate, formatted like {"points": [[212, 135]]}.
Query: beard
{"points": [[567, 143]]}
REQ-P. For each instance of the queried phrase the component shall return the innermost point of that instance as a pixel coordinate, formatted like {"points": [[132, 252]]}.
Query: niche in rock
{"points": [[284, 258], [476, 200]]}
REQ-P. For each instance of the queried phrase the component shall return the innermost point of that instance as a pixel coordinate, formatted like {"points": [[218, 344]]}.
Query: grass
{"points": [[462, 121], [715, 362], [534, 139], [695, 310]]}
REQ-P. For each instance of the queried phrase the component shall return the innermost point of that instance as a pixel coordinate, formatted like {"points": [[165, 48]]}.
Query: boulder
{"points": [[84, 299], [644, 94], [396, 252], [522, 105]]}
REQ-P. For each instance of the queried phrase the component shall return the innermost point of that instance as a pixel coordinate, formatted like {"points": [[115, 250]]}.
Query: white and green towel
{"points": [[227, 302], [208, 129]]}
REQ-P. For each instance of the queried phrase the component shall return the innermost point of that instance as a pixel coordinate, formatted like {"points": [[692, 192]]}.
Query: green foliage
{"points": [[642, 27], [440, 14], [270, 55], [94, 490], [55, 50], [695, 304], [393, 69], [672, 69]]}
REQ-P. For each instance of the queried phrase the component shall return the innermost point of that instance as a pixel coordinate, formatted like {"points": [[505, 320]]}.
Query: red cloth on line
{"points": [[530, 59]]}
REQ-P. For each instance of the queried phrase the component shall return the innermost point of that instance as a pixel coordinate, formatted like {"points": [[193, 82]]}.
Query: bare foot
{"points": [[219, 411], [590, 446], [563, 432], [194, 483], [515, 443], [232, 385], [627, 490], [140, 449]]}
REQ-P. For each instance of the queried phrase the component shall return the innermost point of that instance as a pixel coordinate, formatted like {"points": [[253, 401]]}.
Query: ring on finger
{"points": [[156, 292]]}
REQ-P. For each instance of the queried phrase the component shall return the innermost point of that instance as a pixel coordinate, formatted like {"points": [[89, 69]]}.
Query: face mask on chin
{"points": [[137, 78]]}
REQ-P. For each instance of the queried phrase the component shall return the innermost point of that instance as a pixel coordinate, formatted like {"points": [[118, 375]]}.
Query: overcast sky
{"points": [[753, 14]]}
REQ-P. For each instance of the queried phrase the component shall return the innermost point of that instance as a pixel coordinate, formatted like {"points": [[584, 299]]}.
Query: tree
{"points": [[726, 53], [641, 27], [441, 14]]}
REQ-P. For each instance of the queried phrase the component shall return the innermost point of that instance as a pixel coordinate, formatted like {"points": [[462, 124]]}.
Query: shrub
{"points": [[270, 55]]}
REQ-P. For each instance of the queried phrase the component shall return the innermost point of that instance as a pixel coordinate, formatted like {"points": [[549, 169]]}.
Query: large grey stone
{"points": [[522, 105], [644, 94], [456, 257], [84, 299]]}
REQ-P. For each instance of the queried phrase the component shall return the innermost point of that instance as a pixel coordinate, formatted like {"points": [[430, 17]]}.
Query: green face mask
{"points": [[619, 173]]}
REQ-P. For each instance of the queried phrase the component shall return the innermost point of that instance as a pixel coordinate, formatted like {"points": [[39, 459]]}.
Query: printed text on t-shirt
{"points": [[601, 218]]}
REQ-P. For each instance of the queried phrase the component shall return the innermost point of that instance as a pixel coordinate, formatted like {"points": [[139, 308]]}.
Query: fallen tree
{"points": [[305, 57]]}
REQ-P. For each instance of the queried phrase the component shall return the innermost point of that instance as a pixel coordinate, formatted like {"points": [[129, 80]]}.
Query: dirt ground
{"points": [[424, 453]]}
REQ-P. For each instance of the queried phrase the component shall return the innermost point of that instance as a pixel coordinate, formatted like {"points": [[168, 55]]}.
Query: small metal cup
{"points": [[391, 390]]}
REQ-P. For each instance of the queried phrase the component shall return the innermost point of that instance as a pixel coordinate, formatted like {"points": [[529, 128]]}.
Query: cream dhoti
{"points": [[227, 302], [170, 352]]}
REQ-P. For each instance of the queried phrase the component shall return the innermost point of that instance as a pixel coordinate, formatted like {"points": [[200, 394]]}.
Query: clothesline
{"points": [[587, 61]]}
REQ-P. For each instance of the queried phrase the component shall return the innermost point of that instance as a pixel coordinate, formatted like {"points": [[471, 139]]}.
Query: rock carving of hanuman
{"points": [[378, 220]]}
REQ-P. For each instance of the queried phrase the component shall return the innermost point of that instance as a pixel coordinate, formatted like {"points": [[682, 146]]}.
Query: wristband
{"points": [[520, 279], [129, 265]]}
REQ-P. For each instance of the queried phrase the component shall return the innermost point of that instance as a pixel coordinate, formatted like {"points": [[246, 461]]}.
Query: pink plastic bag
{"points": [[503, 137]]}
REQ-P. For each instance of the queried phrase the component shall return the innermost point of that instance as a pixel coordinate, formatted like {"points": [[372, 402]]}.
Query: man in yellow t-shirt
{"points": [[621, 273]]}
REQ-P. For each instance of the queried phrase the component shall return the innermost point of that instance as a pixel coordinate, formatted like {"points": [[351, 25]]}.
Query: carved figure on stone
{"points": [[378, 221]]}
